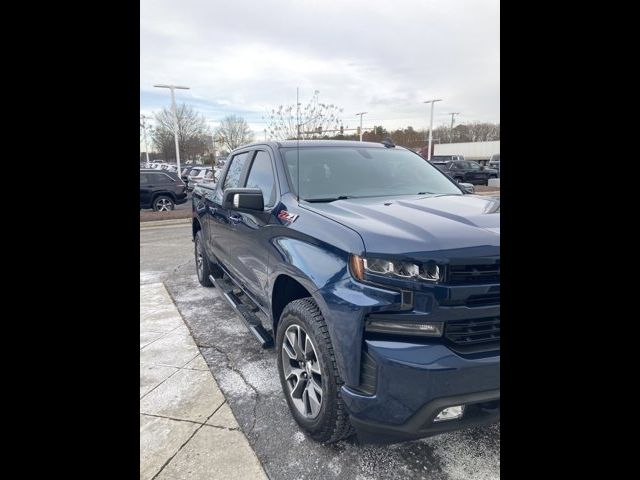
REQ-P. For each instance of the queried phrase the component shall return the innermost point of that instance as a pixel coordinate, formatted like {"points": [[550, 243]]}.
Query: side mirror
{"points": [[467, 187], [243, 199]]}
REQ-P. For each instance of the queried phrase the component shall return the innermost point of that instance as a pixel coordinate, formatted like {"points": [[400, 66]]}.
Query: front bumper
{"points": [[395, 386], [414, 383]]}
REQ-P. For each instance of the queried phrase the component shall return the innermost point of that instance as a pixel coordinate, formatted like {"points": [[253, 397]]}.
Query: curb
{"points": [[160, 223], [491, 194]]}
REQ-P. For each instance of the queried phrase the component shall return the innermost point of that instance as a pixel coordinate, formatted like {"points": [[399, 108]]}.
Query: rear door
{"points": [[223, 220], [145, 190]]}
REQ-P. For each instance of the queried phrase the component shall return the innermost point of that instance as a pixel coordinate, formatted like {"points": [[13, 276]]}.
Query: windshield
{"points": [[473, 165], [332, 172]]}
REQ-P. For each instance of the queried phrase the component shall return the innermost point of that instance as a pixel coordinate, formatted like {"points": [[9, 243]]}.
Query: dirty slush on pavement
{"points": [[248, 377]]}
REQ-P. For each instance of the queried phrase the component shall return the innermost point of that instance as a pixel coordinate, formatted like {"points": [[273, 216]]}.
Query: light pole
{"points": [[431, 125], [175, 117], [453, 114], [144, 129], [361, 114]]}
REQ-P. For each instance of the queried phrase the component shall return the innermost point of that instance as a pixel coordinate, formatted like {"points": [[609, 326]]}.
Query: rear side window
{"points": [[162, 179], [235, 171], [261, 176]]}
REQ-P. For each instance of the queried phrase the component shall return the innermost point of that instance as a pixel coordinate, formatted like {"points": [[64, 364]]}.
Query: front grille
{"points": [[483, 300], [473, 335], [473, 274]]}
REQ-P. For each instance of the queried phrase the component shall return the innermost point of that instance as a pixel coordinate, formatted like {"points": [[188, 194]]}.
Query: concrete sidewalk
{"points": [[187, 430]]}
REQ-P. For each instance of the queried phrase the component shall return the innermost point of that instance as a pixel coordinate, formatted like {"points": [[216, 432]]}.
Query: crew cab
{"points": [[375, 277], [466, 171]]}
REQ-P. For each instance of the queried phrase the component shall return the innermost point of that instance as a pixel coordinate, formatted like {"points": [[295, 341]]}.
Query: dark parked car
{"points": [[376, 277], [161, 190], [466, 171]]}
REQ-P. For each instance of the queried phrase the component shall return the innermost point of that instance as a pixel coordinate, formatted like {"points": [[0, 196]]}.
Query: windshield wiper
{"points": [[327, 199]]}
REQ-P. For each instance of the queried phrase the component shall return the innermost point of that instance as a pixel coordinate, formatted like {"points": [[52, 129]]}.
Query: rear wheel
{"points": [[308, 373], [163, 204], [203, 266]]}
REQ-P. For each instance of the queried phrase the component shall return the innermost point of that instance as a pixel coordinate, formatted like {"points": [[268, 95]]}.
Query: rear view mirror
{"points": [[243, 199]]}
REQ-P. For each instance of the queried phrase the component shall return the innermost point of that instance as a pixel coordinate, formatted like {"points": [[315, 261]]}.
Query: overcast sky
{"points": [[379, 56]]}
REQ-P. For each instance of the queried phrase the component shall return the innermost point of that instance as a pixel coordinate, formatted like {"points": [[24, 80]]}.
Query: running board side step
{"points": [[249, 319]]}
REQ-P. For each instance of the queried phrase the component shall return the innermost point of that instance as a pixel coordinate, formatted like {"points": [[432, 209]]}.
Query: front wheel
{"points": [[308, 373]]}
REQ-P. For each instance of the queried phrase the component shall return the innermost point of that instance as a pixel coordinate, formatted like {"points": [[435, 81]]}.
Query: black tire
{"points": [[332, 422], [203, 266], [163, 203]]}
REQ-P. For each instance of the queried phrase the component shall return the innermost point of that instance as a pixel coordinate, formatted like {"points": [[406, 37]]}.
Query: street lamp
{"points": [[361, 114], [175, 117], [144, 128], [431, 125]]}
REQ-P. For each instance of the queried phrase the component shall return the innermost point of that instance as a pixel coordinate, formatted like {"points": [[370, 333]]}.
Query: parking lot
{"points": [[248, 378]]}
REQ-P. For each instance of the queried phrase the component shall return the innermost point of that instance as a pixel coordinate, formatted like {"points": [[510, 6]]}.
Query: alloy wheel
{"points": [[199, 259], [163, 205], [302, 371]]}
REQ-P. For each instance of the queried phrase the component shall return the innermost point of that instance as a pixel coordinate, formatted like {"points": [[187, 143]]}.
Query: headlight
{"points": [[428, 271]]}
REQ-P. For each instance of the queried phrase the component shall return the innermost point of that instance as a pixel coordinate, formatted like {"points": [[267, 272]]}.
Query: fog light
{"points": [[405, 327], [450, 413]]}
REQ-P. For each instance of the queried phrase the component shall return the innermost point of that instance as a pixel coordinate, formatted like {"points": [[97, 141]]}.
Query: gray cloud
{"points": [[379, 56]]}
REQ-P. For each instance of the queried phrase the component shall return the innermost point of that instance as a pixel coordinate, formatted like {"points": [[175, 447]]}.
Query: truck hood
{"points": [[416, 226]]}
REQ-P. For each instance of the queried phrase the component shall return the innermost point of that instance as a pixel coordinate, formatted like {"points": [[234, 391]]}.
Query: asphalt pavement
{"points": [[247, 376]]}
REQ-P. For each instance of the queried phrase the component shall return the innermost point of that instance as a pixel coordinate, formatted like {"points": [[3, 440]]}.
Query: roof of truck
{"points": [[317, 143]]}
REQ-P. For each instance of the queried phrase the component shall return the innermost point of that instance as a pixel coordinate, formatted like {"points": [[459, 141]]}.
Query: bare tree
{"points": [[315, 119], [193, 134], [234, 132]]}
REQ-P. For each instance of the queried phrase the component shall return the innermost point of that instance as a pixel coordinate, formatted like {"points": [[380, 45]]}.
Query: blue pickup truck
{"points": [[374, 276]]}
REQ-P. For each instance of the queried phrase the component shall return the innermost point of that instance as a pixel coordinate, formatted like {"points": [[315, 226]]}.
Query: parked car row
{"points": [[159, 166], [466, 171]]}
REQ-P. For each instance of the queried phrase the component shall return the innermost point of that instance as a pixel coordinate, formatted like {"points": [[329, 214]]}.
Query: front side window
{"points": [[261, 176], [326, 173], [235, 170]]}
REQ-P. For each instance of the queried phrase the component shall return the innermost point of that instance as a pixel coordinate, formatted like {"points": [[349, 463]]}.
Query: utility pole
{"points": [[298, 112], [144, 129], [431, 125], [361, 114], [453, 114], [175, 117]]}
